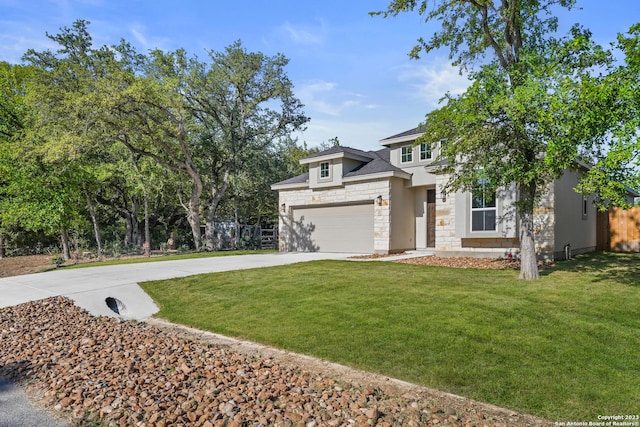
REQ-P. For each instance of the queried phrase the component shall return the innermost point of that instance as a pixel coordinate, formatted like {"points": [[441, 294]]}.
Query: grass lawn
{"points": [[565, 347]]}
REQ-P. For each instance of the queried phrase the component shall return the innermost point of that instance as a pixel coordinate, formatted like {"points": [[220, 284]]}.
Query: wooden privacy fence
{"points": [[619, 230]]}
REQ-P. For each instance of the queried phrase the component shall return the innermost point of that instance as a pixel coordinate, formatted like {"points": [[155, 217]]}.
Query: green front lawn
{"points": [[565, 347]]}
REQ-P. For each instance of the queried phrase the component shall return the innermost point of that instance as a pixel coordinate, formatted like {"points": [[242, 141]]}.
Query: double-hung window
{"points": [[483, 206], [425, 151], [406, 156], [325, 170]]}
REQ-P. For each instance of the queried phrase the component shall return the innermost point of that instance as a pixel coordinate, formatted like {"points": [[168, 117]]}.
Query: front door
{"points": [[431, 218]]}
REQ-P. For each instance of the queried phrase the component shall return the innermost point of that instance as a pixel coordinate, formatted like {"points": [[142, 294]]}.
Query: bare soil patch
{"points": [[15, 266], [465, 262], [18, 265]]}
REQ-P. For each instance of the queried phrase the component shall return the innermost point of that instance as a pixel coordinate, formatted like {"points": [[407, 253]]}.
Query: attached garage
{"points": [[341, 228]]}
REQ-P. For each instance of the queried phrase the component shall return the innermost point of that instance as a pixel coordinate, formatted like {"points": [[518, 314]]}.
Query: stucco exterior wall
{"points": [[402, 231], [349, 193], [571, 225], [420, 217], [335, 174]]}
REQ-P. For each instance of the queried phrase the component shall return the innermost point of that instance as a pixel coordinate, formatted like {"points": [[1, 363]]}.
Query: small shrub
{"points": [[57, 261]]}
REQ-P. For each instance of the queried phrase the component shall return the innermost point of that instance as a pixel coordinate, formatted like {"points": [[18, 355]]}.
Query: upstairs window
{"points": [[407, 154], [325, 170], [425, 151], [483, 206]]}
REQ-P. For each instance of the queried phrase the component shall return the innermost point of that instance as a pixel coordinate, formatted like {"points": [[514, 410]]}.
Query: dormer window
{"points": [[425, 151], [325, 170], [406, 154]]}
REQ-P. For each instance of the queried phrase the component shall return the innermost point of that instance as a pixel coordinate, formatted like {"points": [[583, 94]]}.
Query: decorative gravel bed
{"points": [[99, 370]]}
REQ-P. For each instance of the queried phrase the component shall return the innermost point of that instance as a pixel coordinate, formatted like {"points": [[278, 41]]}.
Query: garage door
{"points": [[346, 228]]}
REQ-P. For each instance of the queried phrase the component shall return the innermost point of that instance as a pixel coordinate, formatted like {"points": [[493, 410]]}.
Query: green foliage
{"points": [[58, 261], [12, 109], [537, 349], [612, 115], [114, 136], [523, 118]]}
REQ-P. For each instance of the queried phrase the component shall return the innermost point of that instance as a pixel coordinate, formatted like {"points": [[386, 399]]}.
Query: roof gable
{"points": [[336, 153], [406, 136]]}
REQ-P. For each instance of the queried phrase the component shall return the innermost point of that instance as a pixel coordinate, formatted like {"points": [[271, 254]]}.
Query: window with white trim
{"points": [[325, 170], [406, 154], [425, 151], [483, 206]]}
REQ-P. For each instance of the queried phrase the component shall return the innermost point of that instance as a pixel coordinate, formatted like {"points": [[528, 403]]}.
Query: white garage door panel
{"points": [[334, 229]]}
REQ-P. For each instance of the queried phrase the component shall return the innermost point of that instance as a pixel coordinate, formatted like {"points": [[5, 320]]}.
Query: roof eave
{"points": [[378, 175], [332, 156], [400, 139], [292, 186]]}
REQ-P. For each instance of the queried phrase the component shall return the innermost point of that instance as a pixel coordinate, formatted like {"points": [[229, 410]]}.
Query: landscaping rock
{"points": [[123, 373]]}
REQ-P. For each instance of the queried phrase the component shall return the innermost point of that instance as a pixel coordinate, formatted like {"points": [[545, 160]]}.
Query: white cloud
{"points": [[324, 97], [136, 31], [303, 35], [431, 82], [139, 31], [15, 43]]}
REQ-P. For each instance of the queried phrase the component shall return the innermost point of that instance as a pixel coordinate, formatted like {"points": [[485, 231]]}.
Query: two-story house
{"points": [[391, 200]]}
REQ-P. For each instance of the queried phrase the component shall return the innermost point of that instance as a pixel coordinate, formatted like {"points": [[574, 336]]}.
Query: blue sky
{"points": [[350, 70]]}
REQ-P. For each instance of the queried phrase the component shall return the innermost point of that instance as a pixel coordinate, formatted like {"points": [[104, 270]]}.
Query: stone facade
{"points": [[399, 184], [450, 243], [544, 224], [350, 193]]}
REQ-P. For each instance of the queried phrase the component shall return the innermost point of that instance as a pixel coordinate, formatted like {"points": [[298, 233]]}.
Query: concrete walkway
{"points": [[91, 287], [17, 411]]}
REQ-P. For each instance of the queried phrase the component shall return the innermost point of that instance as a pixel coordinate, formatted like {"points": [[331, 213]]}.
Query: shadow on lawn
{"points": [[613, 266]]}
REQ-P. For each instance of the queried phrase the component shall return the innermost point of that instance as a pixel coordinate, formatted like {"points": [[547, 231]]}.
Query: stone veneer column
{"points": [[544, 223], [382, 224], [446, 239]]}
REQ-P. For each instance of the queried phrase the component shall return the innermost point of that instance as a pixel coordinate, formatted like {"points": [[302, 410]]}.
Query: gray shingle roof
{"points": [[300, 179], [409, 132], [378, 164], [339, 149]]}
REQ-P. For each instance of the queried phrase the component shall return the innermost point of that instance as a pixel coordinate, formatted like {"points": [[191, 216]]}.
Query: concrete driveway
{"points": [[94, 288]]}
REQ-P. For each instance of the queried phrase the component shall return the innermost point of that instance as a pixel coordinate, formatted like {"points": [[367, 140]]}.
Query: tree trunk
{"points": [[128, 233], [193, 209], [236, 222], [213, 241], [64, 237], [147, 228], [193, 217], [528, 258], [1, 245], [96, 226], [132, 234]]}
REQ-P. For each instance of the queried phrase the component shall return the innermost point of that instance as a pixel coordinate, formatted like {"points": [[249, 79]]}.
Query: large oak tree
{"points": [[520, 122]]}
